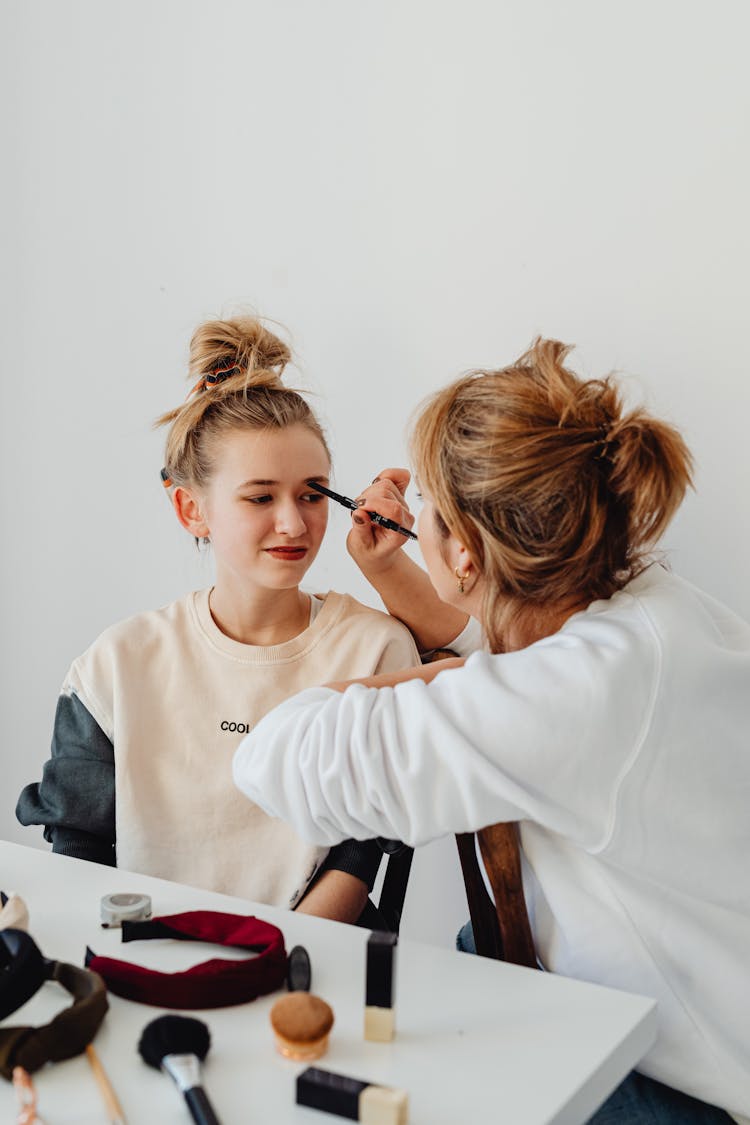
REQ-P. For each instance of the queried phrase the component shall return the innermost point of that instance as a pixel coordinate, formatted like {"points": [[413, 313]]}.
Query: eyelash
{"points": [[309, 498]]}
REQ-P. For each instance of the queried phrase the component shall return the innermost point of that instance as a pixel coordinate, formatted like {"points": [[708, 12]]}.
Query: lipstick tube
{"points": [[348, 1097], [380, 987]]}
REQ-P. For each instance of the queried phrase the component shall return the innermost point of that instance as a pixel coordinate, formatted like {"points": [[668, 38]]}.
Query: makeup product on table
{"points": [[380, 986], [115, 1116], [298, 971], [349, 1097], [301, 1024], [177, 1045], [353, 506]]}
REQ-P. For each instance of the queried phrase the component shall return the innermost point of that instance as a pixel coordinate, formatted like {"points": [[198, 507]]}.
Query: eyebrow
{"points": [[268, 483]]}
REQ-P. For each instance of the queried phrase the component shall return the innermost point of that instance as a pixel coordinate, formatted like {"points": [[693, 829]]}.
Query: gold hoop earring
{"points": [[461, 579]]}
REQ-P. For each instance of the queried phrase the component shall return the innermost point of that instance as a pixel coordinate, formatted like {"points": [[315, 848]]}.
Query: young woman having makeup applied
{"points": [[150, 715], [608, 713]]}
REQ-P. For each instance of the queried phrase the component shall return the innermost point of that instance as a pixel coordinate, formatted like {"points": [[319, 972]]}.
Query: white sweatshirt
{"points": [[622, 744]]}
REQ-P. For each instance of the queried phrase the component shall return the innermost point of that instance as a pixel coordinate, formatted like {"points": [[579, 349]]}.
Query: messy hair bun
{"points": [[236, 367], [558, 493], [242, 347]]}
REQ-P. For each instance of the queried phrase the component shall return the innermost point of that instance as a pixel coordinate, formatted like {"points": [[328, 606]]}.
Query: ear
{"points": [[188, 511], [461, 560]]}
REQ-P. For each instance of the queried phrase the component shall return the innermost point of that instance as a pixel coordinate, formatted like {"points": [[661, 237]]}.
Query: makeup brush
{"points": [[178, 1045]]}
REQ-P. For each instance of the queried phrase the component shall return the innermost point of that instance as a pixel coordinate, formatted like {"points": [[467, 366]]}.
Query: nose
{"points": [[289, 519]]}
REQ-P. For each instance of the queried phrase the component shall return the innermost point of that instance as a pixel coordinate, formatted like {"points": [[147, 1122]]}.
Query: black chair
{"points": [[386, 915]]}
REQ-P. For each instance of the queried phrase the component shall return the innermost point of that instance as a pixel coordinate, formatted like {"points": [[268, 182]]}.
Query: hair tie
{"points": [[217, 983], [71, 1031], [603, 442], [219, 374]]}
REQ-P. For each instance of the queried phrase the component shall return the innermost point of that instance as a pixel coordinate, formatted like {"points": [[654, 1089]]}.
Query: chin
{"points": [[293, 577]]}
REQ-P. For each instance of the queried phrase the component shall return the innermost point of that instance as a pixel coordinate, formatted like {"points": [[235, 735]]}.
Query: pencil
{"points": [[115, 1116], [353, 506]]}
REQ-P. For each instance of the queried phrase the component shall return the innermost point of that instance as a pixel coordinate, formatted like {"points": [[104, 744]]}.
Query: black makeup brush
{"points": [[178, 1045]]}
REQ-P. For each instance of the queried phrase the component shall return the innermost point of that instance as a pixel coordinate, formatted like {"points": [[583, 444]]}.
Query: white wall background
{"points": [[413, 188]]}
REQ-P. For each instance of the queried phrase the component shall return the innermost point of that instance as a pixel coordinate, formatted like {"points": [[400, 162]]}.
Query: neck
{"points": [[259, 617], [532, 623]]}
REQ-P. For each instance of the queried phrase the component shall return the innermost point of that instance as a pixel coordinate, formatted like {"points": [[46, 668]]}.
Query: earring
{"points": [[461, 579]]}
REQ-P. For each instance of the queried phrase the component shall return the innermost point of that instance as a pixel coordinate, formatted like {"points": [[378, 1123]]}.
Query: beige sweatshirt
{"points": [[175, 696]]}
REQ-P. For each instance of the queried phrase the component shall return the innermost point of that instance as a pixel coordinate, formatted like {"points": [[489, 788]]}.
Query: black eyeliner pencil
{"points": [[355, 507]]}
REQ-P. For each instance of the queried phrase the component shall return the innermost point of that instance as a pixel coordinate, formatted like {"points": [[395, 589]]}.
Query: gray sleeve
{"points": [[75, 800]]}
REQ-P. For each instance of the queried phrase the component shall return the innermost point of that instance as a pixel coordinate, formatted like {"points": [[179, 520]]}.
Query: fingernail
{"points": [[376, 480], [360, 501], [357, 519]]}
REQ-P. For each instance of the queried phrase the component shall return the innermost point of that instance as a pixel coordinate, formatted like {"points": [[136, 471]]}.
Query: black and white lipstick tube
{"points": [[349, 1097], [380, 987]]}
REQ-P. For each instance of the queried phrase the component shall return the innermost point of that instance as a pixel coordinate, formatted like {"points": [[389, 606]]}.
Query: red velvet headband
{"points": [[212, 984]]}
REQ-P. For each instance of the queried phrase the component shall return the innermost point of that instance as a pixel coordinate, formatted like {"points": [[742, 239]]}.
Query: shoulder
{"points": [[357, 615], [136, 638], [677, 609], [151, 622], [379, 641]]}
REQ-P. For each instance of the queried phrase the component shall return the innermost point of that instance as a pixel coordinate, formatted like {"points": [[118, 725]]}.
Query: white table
{"points": [[477, 1040]]}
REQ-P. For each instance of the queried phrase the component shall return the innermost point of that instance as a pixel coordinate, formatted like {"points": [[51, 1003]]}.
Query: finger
{"points": [[393, 508], [385, 491], [366, 536], [398, 476]]}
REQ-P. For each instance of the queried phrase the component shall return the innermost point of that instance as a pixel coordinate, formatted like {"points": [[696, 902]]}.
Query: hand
{"points": [[375, 548]]}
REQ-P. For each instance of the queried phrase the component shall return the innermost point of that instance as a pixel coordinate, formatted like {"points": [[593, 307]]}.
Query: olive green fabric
{"points": [[68, 1034]]}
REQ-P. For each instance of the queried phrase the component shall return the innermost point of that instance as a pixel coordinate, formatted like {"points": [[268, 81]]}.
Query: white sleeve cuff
{"points": [[470, 639]]}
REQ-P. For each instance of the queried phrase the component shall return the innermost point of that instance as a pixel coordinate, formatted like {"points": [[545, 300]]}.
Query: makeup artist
{"points": [[608, 712]]}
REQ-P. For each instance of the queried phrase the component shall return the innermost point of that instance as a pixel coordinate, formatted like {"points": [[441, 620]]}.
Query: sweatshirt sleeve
{"points": [[360, 858], [545, 734], [469, 640], [399, 650], [75, 800]]}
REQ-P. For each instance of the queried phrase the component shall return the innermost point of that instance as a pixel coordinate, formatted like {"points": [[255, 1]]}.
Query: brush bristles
{"points": [[173, 1035]]}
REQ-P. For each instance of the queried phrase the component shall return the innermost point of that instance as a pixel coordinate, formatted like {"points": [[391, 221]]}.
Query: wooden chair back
{"points": [[501, 928]]}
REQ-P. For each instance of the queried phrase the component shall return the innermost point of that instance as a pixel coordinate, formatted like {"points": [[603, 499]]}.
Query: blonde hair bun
{"points": [[241, 346], [235, 367]]}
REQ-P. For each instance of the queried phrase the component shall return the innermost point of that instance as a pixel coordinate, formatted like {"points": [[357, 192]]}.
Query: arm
{"points": [[539, 734], [426, 673], [75, 800], [341, 888], [404, 587], [336, 895]]}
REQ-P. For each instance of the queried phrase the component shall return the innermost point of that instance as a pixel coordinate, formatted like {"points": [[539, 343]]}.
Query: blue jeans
{"points": [[638, 1100]]}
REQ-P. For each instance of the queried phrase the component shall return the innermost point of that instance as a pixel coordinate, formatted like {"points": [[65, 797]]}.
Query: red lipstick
{"points": [[287, 554]]}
